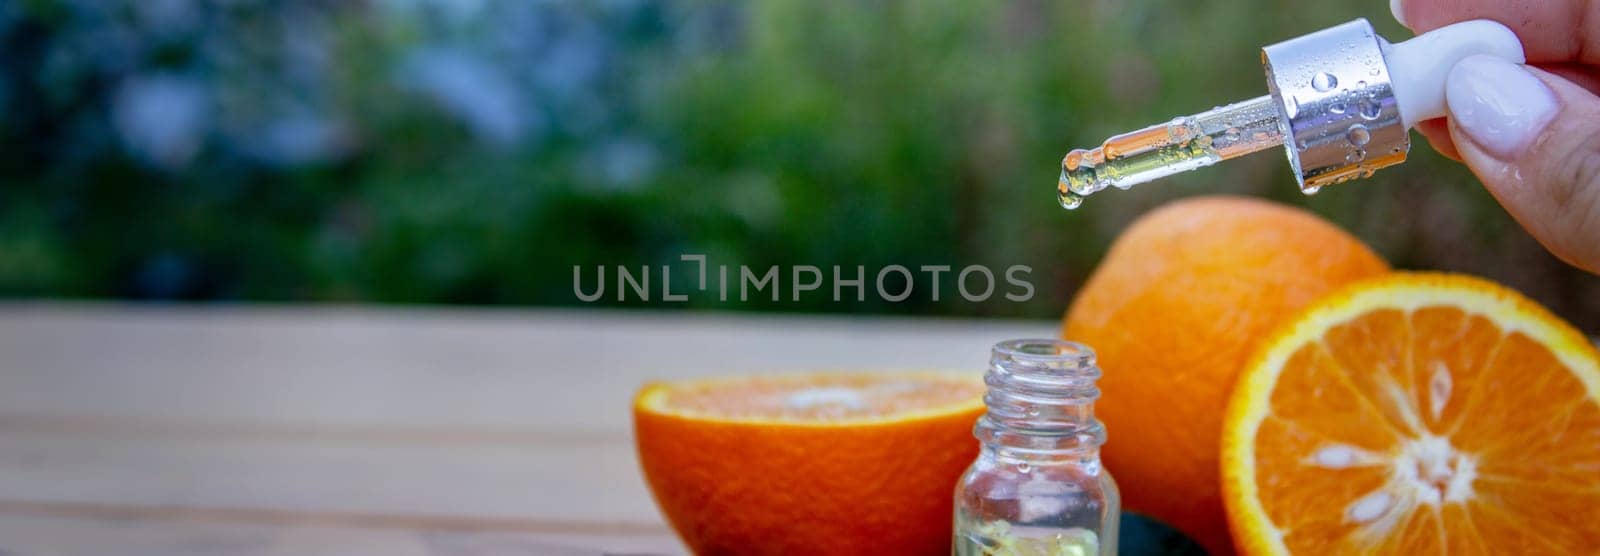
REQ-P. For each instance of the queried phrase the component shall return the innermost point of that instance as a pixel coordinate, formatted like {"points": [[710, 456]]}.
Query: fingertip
{"points": [[1545, 187], [1397, 7], [1500, 104], [1550, 30]]}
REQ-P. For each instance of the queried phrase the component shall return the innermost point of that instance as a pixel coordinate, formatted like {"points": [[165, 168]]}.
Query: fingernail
{"points": [[1498, 104], [1398, 11]]}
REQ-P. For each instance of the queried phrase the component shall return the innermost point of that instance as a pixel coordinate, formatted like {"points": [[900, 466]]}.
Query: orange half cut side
{"points": [[820, 463], [1417, 414], [817, 399]]}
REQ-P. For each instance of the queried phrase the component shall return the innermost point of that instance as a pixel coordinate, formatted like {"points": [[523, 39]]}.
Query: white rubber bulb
{"points": [[1418, 67]]}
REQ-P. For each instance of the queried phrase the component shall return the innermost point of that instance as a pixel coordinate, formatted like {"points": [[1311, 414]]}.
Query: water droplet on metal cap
{"points": [[1324, 82]]}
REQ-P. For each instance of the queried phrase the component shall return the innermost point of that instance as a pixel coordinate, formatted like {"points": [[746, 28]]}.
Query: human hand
{"points": [[1531, 132]]}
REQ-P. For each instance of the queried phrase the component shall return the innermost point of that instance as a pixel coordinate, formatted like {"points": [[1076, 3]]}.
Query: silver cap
{"points": [[1336, 104]]}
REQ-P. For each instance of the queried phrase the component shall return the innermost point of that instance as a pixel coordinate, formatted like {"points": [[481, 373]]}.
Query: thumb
{"points": [[1533, 138]]}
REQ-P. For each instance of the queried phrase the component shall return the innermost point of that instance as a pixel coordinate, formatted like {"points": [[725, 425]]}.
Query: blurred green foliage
{"points": [[411, 151]]}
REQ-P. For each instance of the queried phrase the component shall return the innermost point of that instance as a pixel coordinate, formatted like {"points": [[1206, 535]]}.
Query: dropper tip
{"points": [[1064, 193]]}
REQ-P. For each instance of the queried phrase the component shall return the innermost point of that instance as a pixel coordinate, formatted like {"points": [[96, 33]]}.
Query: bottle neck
{"points": [[1041, 402]]}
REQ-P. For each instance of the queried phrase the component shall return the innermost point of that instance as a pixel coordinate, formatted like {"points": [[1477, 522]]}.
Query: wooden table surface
{"points": [[294, 430]]}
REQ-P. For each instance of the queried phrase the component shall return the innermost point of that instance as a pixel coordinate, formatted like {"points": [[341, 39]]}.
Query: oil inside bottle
{"points": [[1001, 538]]}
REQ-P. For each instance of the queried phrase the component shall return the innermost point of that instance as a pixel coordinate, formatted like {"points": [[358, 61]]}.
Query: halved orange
{"points": [[823, 463], [1417, 414]]}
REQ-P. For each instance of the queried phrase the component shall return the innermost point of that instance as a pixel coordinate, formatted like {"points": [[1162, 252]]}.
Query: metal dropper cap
{"points": [[1341, 101], [1336, 104]]}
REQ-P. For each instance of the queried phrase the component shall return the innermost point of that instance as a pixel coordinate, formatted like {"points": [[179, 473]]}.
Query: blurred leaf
{"points": [[443, 152]]}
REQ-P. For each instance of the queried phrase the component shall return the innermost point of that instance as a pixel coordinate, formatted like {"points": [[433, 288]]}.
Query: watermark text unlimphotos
{"points": [[892, 283]]}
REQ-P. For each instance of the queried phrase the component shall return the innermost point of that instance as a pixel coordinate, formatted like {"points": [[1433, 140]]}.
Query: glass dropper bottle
{"points": [[1340, 100], [1037, 487]]}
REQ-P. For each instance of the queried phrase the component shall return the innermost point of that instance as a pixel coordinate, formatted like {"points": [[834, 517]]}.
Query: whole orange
{"points": [[862, 463], [1174, 312]]}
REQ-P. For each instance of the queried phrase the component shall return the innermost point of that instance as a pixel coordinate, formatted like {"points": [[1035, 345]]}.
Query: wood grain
{"points": [[337, 430]]}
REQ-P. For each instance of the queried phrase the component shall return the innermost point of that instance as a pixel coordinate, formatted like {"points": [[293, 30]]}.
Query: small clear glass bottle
{"points": [[1037, 487]]}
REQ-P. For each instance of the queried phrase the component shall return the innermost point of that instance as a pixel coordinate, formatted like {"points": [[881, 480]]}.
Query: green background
{"points": [[406, 151]]}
